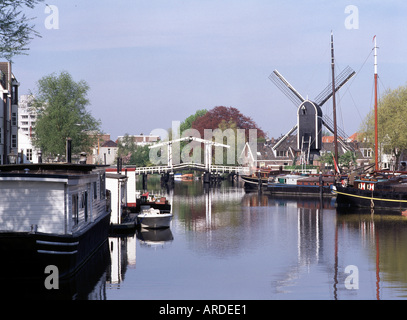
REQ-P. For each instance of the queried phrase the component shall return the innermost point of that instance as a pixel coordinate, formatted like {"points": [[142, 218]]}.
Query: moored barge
{"points": [[51, 214]]}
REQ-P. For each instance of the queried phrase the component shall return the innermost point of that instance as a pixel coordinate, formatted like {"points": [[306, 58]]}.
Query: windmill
{"points": [[309, 114]]}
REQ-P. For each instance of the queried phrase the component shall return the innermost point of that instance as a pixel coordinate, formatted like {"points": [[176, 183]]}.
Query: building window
{"points": [[13, 118], [14, 141], [29, 153], [367, 153], [14, 95]]}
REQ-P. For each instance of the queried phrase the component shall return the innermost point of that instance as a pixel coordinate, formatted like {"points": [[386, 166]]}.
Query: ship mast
{"points": [[333, 99], [375, 107]]}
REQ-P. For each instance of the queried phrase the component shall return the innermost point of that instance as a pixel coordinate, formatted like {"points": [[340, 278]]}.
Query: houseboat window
{"points": [[95, 190], [82, 202], [85, 204], [102, 186], [75, 210]]}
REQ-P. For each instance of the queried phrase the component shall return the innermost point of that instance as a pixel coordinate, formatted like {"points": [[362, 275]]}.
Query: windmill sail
{"points": [[309, 114], [329, 124], [340, 80], [286, 88]]}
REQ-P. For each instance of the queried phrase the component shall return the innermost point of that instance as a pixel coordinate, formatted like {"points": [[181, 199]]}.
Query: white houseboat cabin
{"points": [[52, 214]]}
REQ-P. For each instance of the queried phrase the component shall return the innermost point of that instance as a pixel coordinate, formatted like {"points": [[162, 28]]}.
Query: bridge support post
{"points": [[167, 179], [231, 177], [260, 184], [164, 179], [207, 177], [144, 180]]}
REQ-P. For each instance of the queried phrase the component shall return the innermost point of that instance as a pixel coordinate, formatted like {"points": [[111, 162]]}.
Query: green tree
{"points": [[187, 123], [125, 148], [347, 160], [16, 29], [60, 104], [327, 158], [132, 154], [141, 157], [392, 122]]}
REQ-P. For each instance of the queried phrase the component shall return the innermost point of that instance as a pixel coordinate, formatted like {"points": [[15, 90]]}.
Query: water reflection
{"points": [[89, 283], [382, 235], [154, 237], [123, 257], [328, 243], [294, 249]]}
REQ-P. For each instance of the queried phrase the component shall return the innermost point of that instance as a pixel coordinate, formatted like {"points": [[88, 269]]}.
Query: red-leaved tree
{"points": [[223, 117]]}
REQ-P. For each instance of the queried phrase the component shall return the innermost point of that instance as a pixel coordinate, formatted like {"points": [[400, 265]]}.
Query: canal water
{"points": [[226, 244]]}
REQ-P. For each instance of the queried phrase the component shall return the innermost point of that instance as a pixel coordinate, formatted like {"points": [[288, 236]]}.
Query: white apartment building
{"points": [[26, 123], [26, 120]]}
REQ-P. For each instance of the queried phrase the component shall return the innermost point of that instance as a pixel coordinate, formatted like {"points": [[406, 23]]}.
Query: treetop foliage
{"points": [[223, 118], [16, 29], [392, 121], [60, 104]]}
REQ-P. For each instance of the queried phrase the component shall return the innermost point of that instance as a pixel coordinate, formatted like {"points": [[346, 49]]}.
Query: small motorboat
{"points": [[153, 218]]}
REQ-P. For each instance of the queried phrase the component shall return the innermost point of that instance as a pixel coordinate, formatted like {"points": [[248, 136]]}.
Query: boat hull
{"points": [[154, 221], [300, 190], [353, 197], [26, 255], [252, 183]]}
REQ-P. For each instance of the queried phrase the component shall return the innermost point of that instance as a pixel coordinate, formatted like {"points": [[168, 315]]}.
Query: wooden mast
{"points": [[333, 100], [376, 153]]}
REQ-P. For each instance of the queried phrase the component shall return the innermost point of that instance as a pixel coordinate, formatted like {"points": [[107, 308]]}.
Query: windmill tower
{"points": [[310, 118]]}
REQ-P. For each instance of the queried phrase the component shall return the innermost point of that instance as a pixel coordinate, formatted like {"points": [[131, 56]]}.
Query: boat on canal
{"points": [[378, 189], [284, 183], [154, 218], [51, 214], [148, 199], [260, 178], [301, 185]]}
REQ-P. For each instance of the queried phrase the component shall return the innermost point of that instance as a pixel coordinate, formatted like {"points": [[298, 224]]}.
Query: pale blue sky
{"points": [[152, 62]]}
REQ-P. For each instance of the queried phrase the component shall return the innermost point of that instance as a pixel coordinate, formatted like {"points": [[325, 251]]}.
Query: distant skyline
{"points": [[149, 63]]}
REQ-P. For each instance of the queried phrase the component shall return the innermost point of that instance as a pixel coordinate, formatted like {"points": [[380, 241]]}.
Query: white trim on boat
{"points": [[57, 252], [58, 243]]}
